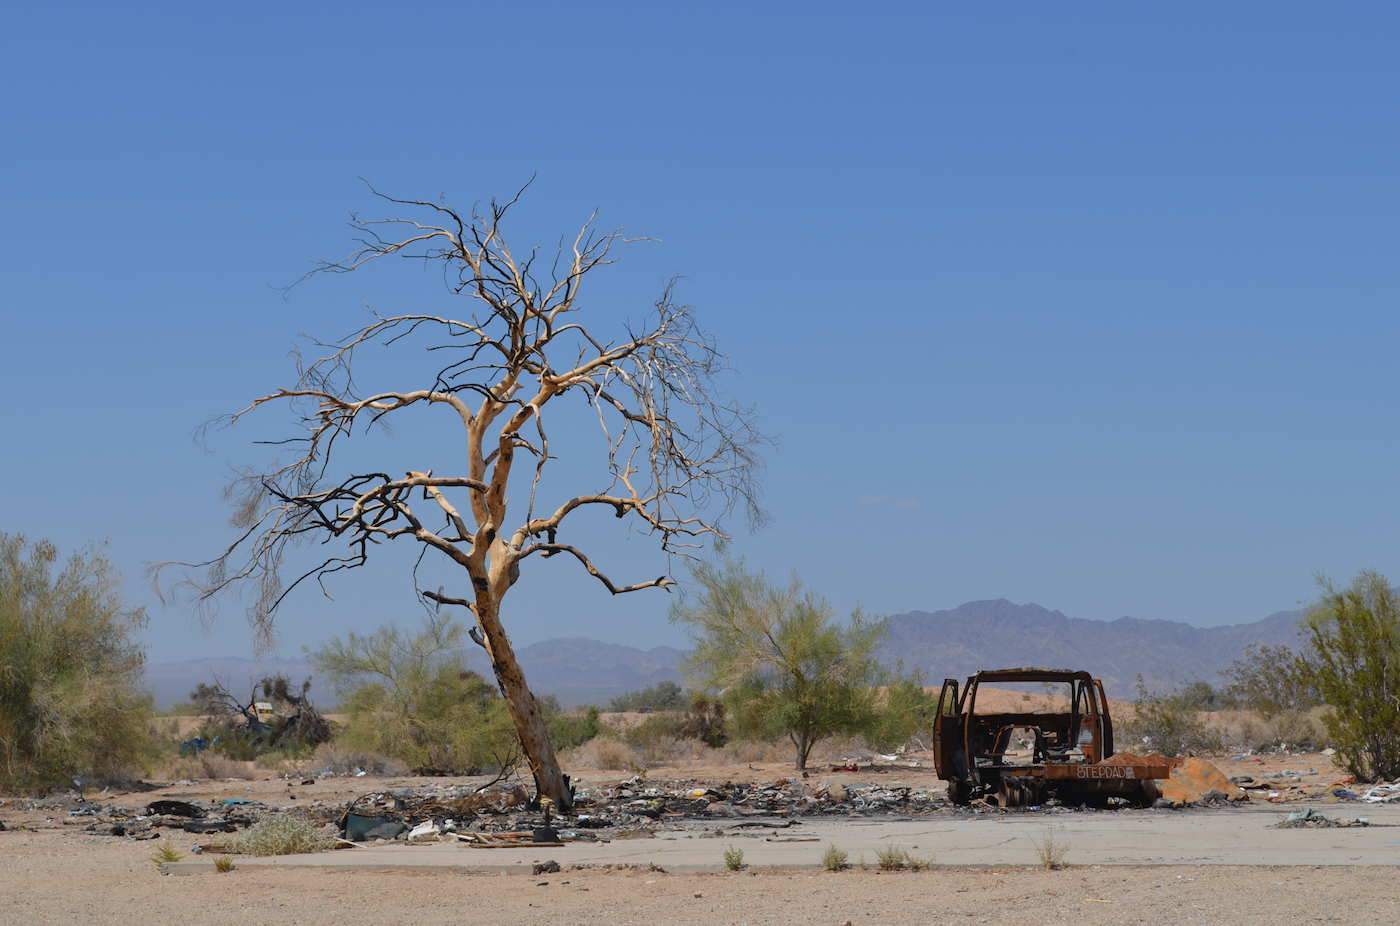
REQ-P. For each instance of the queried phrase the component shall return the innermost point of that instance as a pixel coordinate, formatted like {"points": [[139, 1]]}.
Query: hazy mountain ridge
{"points": [[999, 634], [954, 644]]}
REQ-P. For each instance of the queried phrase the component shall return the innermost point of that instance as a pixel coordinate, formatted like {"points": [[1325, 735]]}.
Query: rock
{"points": [[549, 867]]}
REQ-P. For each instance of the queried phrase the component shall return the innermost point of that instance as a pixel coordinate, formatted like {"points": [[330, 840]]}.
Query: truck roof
{"points": [[1031, 675]]}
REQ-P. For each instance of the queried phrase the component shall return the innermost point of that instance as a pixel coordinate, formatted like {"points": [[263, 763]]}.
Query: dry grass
{"points": [[205, 765], [223, 864], [600, 754], [1051, 851], [833, 859]]}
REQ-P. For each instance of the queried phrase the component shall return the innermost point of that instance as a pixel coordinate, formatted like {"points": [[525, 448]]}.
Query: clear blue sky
{"points": [[1087, 305]]}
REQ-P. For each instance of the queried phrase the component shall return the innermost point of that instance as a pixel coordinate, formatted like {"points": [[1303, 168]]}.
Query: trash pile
{"points": [[503, 814], [1381, 793], [145, 823], [1310, 818]]}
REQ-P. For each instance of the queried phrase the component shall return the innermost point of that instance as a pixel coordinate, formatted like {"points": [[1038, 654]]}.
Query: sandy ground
{"points": [[54, 873]]}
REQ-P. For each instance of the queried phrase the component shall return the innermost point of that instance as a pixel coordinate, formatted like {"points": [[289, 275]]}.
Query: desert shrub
{"points": [[574, 728], [1170, 723], [1354, 660], [733, 858], [896, 858], [410, 696], [905, 712], [71, 701], [1203, 696], [1271, 681], [834, 859], [223, 864], [280, 834], [166, 852], [663, 696]]}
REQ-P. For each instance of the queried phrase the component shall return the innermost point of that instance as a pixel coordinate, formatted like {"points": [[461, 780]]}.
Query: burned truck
{"points": [[1036, 734]]}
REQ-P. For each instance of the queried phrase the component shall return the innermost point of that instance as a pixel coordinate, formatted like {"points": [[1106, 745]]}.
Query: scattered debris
{"points": [[1307, 817]]}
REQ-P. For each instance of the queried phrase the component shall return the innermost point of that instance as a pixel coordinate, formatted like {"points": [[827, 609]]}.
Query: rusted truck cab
{"points": [[1056, 743]]}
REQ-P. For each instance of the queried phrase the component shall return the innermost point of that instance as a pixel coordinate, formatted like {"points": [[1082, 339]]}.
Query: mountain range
{"points": [[999, 634], [977, 635]]}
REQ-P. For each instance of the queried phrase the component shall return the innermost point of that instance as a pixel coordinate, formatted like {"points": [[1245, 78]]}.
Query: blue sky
{"points": [[1085, 305]]}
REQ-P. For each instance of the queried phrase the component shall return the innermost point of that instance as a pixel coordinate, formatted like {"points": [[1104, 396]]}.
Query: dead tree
{"points": [[672, 446]]}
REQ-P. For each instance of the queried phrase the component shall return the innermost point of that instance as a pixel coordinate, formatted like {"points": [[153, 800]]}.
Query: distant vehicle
{"points": [[1060, 746]]}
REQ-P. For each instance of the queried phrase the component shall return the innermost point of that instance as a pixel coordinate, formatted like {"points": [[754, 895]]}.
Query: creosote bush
{"points": [[280, 834], [733, 858]]}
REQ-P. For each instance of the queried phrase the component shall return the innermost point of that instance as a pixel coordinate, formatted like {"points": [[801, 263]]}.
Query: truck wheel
{"points": [[959, 793]]}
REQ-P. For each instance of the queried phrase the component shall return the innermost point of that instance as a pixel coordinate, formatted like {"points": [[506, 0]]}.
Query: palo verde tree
{"points": [[782, 664], [671, 445], [1353, 660], [71, 701]]}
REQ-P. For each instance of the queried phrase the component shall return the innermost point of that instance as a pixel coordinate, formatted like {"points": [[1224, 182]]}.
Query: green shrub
{"points": [[663, 696], [733, 858], [574, 728], [1353, 652], [71, 701], [280, 834], [410, 696]]}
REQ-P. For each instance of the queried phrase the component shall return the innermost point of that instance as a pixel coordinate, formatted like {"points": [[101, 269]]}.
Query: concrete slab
{"points": [[1224, 836]]}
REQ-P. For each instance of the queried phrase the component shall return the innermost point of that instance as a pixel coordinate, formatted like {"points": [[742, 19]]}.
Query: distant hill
{"points": [[977, 635], [579, 670], [576, 670], [999, 634]]}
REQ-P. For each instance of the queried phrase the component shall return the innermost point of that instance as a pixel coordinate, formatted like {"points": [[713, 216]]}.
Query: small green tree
{"points": [[1272, 681], [411, 696], [1354, 659], [71, 701], [782, 664], [905, 712], [663, 696]]}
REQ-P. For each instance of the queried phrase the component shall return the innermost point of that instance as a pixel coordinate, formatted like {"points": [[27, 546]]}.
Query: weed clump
{"points": [[733, 858], [280, 834], [833, 859], [165, 852], [896, 858], [1052, 852], [223, 864]]}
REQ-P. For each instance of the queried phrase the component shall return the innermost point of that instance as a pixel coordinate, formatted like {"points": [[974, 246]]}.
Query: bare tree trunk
{"points": [[550, 781]]}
